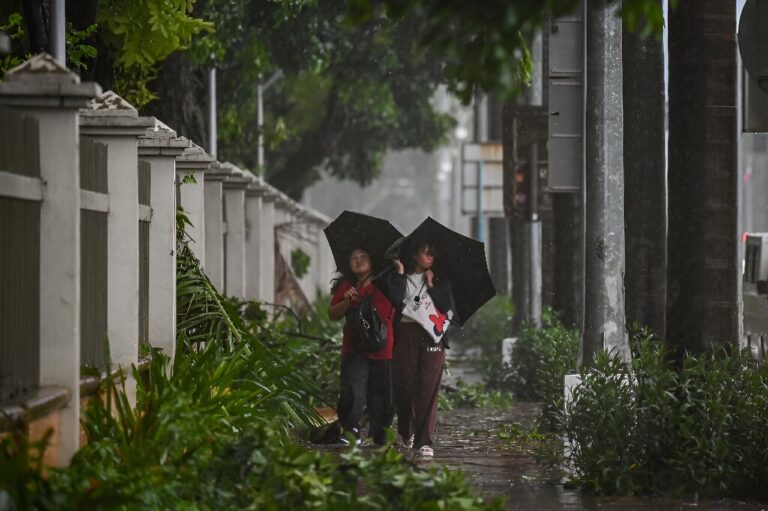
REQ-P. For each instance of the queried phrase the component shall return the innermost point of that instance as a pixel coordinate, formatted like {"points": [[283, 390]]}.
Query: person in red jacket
{"points": [[366, 378]]}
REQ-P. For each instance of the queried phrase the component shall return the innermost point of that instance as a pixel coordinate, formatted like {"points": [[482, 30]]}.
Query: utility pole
{"points": [[604, 321], [260, 90], [58, 31], [212, 119], [533, 234], [481, 135]]}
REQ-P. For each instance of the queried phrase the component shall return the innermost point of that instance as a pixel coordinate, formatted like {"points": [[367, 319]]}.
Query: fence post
{"points": [[190, 167], [159, 147], [51, 94], [253, 241], [267, 247], [215, 226], [234, 205], [113, 122]]}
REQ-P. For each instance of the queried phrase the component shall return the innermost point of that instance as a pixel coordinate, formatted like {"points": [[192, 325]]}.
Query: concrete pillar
{"points": [[234, 204], [160, 147], [234, 184], [253, 242], [215, 228], [267, 248], [112, 121], [51, 94], [190, 167], [604, 323]]}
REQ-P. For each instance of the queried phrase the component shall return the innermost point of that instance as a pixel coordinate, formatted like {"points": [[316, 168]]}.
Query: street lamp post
{"points": [[57, 32], [260, 90], [212, 126]]}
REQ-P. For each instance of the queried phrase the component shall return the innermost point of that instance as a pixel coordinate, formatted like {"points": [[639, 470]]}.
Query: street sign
{"points": [[482, 170], [753, 41]]}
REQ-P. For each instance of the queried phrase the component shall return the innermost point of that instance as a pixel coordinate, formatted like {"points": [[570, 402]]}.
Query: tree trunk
{"points": [[645, 201], [37, 16], [179, 88], [294, 174], [703, 267], [604, 319], [568, 263]]}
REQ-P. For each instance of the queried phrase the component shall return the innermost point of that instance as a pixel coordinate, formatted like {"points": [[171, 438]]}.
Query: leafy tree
{"points": [[486, 48], [349, 94]]}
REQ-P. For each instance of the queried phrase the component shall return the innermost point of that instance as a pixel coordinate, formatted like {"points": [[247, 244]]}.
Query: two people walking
{"points": [[402, 291], [404, 376]]}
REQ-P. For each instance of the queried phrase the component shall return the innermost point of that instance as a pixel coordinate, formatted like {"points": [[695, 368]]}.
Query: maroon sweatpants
{"points": [[417, 368]]}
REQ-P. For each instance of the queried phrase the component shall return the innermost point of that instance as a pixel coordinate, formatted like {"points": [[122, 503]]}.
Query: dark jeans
{"points": [[365, 381], [417, 367]]}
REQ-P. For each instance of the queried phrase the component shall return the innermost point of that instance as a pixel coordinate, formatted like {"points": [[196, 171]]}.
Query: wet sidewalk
{"points": [[482, 443]]}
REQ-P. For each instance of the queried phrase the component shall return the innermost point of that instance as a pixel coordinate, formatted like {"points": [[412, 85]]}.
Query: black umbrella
{"points": [[460, 260], [352, 230]]}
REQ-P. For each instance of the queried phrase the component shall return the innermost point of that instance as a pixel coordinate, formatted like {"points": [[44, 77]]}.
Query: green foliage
{"points": [[77, 51], [472, 396], [348, 93], [658, 428], [645, 15], [300, 262], [14, 27], [143, 33], [480, 338], [310, 342], [22, 481], [540, 359], [488, 48]]}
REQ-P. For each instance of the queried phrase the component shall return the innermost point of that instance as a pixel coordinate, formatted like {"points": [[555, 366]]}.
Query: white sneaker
{"points": [[409, 443], [425, 451]]}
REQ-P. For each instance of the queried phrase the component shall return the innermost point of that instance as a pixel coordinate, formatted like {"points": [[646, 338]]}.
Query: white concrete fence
{"points": [[88, 196]]}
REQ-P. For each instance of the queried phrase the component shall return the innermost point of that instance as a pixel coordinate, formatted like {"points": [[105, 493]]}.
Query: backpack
{"points": [[368, 331]]}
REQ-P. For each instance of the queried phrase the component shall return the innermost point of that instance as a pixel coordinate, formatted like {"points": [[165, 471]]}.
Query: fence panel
{"points": [[19, 259], [93, 257], [145, 191]]}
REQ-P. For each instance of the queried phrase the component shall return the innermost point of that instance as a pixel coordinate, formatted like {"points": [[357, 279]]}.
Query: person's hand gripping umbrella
{"points": [[461, 261]]}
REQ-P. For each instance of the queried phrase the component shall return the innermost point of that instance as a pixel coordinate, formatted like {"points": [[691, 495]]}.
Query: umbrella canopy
{"points": [[460, 260], [352, 230]]}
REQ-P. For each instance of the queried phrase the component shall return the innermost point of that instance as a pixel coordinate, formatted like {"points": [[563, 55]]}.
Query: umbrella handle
{"points": [[382, 273]]}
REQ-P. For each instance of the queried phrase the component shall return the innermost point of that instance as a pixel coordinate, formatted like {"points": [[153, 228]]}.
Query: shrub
{"points": [[472, 396], [697, 428], [540, 359], [480, 338]]}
